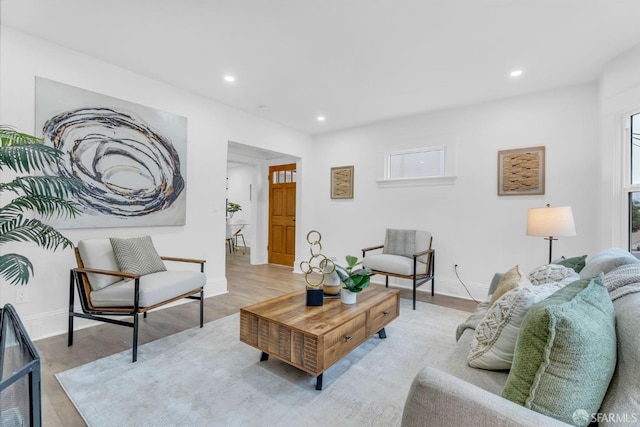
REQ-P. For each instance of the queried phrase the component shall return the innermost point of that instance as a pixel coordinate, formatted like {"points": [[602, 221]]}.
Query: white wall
{"points": [[471, 225], [210, 127], [240, 184]]}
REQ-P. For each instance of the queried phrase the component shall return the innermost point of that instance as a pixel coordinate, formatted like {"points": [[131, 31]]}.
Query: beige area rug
{"points": [[207, 377]]}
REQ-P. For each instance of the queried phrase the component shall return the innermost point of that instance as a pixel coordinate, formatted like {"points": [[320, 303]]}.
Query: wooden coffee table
{"points": [[314, 338]]}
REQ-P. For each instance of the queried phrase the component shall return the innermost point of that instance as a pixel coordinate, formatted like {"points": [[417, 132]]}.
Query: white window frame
{"points": [[626, 175], [448, 176], [441, 148]]}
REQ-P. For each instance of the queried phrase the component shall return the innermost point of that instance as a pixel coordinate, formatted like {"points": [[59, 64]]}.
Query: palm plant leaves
{"points": [[51, 186], [28, 157], [15, 268], [10, 136], [44, 195], [22, 229], [44, 205]]}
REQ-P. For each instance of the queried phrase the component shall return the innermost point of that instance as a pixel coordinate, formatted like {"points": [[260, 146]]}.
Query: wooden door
{"points": [[282, 214]]}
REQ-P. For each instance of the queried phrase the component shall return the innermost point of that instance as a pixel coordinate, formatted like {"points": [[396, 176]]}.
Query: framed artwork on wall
{"points": [[342, 182], [521, 171], [130, 158]]}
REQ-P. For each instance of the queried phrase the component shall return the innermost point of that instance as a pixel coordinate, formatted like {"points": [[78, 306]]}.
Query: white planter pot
{"points": [[347, 297]]}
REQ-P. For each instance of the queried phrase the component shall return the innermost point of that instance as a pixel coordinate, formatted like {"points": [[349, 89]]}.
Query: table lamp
{"points": [[550, 223]]}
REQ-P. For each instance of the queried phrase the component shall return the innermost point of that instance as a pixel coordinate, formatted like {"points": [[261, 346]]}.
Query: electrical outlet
{"points": [[22, 295]]}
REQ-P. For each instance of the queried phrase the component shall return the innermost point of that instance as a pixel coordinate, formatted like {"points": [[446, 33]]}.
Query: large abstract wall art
{"points": [[131, 159]]}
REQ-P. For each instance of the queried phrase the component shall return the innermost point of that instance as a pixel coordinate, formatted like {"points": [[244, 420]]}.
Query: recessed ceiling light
{"points": [[229, 78], [516, 73], [321, 118]]}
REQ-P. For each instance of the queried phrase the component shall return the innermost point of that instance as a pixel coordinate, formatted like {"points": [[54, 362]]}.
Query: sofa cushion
{"points": [[137, 255], [495, 337], [606, 261], [566, 353], [456, 365], [154, 288], [98, 254], [511, 279], [622, 397], [576, 263], [396, 264], [552, 273]]}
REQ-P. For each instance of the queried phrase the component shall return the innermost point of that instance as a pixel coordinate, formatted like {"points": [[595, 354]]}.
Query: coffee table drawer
{"points": [[382, 314], [344, 338]]}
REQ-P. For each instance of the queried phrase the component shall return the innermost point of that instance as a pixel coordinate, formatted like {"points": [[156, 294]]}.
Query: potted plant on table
{"points": [[233, 208], [354, 279]]}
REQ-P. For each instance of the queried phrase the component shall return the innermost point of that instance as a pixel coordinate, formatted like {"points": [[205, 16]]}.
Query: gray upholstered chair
{"points": [[406, 254], [127, 277]]}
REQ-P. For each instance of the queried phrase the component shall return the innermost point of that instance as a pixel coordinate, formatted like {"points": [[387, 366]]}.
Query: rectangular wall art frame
{"points": [[521, 171], [130, 158], [342, 182]]}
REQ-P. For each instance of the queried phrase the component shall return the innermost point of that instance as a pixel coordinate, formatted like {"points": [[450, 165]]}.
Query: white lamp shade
{"points": [[549, 222]]}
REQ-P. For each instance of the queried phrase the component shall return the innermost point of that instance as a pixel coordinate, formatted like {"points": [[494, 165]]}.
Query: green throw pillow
{"points": [[577, 262], [137, 255], [565, 353]]}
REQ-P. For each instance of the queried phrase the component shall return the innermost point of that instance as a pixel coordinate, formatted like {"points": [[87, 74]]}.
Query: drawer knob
{"points": [[385, 313], [348, 338]]}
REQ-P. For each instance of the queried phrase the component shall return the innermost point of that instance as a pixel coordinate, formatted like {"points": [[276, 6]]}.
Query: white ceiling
{"points": [[354, 61]]}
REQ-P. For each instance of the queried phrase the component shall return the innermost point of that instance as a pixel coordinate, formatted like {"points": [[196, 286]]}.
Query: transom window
{"points": [[419, 163]]}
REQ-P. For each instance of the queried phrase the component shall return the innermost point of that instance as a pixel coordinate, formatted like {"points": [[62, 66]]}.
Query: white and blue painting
{"points": [[131, 159]]}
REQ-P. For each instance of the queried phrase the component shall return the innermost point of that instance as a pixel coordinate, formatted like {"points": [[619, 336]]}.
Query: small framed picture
{"points": [[342, 182], [521, 171]]}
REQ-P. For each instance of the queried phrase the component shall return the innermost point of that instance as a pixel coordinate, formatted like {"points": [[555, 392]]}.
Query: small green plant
{"points": [[354, 280], [46, 196], [233, 208]]}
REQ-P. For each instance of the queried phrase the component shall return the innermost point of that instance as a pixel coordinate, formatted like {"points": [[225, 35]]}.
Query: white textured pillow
{"points": [[550, 273], [495, 338]]}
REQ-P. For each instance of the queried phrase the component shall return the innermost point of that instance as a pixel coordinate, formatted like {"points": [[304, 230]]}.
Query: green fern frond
{"points": [[44, 205], [32, 230], [51, 186], [11, 136], [15, 268], [26, 158]]}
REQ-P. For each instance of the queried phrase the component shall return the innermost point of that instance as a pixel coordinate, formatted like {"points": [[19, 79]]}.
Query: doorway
{"points": [[282, 214], [255, 210]]}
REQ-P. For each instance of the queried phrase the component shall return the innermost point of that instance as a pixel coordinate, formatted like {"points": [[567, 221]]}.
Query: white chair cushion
{"points": [[154, 288], [395, 264], [98, 253]]}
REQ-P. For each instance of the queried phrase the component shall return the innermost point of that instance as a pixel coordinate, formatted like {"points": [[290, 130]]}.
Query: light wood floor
{"points": [[247, 284]]}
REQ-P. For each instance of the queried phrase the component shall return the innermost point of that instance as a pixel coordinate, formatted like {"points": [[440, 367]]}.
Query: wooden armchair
{"points": [[406, 254], [105, 290]]}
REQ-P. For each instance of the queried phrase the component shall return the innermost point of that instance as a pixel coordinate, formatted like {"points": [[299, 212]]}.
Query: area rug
{"points": [[207, 377]]}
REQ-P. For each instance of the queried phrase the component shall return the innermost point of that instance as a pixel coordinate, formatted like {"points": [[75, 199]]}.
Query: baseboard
{"points": [[443, 286], [51, 323]]}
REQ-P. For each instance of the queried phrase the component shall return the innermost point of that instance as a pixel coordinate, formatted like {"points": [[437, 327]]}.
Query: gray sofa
{"points": [[455, 394]]}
